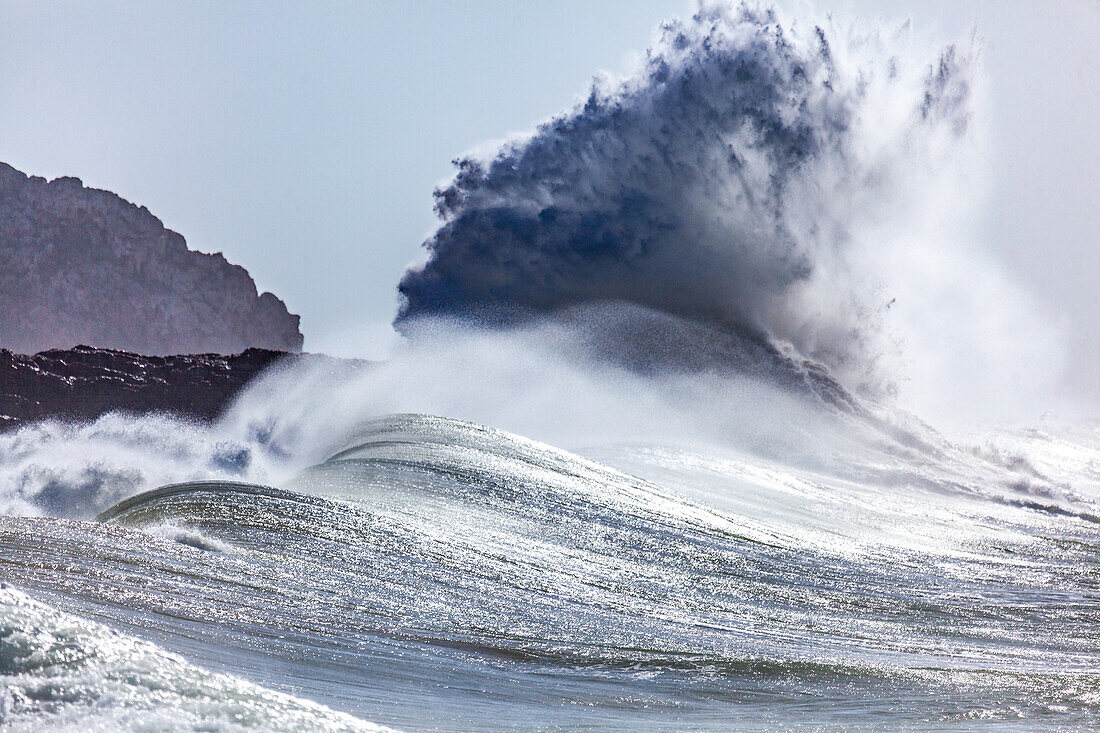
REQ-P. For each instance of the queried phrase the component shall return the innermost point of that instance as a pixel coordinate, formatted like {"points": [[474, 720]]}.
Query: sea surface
{"points": [[431, 573]]}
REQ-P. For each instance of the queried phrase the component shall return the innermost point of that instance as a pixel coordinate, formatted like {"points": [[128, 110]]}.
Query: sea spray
{"points": [[726, 181], [669, 280]]}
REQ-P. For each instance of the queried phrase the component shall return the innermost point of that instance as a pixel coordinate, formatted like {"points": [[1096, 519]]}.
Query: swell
{"points": [[434, 572]]}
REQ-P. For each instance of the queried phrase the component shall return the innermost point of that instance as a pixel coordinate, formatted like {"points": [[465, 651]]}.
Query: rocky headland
{"points": [[84, 383], [84, 266]]}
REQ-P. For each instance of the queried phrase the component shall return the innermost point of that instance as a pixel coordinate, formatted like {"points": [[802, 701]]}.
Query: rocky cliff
{"points": [[83, 383], [84, 266]]}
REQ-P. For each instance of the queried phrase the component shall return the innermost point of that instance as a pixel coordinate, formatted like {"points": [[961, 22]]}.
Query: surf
{"points": [[643, 458], [442, 573]]}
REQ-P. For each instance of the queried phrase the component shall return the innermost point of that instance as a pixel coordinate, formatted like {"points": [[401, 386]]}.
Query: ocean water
{"points": [[648, 457], [431, 573]]}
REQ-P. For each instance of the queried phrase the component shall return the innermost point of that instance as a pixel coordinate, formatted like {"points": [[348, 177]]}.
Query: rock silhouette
{"points": [[84, 383], [84, 266]]}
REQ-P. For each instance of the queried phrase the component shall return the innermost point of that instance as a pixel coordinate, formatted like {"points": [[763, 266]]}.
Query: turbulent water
{"points": [[639, 462], [433, 573]]}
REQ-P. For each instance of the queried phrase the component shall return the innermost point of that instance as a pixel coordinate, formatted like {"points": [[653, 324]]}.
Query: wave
{"points": [[634, 466], [728, 181], [437, 573], [66, 673], [76, 469]]}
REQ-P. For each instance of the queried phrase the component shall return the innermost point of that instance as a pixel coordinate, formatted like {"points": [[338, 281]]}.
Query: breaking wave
{"points": [[633, 466], [730, 181], [65, 673], [431, 573]]}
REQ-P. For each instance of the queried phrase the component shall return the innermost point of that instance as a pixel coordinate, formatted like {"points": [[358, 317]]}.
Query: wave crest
{"points": [[721, 183]]}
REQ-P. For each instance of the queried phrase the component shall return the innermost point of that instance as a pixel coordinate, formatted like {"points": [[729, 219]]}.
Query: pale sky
{"points": [[303, 140]]}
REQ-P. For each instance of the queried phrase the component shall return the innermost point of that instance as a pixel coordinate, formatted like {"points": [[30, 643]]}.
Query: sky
{"points": [[304, 140]]}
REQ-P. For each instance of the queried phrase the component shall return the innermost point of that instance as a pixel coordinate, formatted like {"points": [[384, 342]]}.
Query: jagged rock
{"points": [[84, 383], [84, 266]]}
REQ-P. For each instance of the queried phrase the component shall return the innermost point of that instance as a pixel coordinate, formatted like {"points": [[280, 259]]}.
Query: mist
{"points": [[819, 184]]}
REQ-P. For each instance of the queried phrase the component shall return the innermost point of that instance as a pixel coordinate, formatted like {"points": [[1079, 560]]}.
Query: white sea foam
{"points": [[60, 672], [77, 469]]}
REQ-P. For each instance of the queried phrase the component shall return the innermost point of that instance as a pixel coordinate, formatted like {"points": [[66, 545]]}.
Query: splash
{"points": [[729, 182], [75, 470]]}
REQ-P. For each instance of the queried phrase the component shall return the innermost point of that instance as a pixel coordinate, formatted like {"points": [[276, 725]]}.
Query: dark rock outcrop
{"points": [[84, 266], [84, 383]]}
